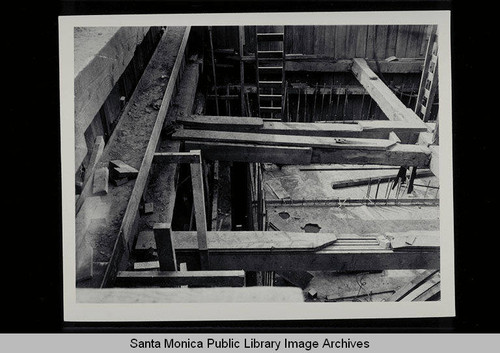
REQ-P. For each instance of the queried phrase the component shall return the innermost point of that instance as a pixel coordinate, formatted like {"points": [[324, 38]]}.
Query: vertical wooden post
{"points": [[314, 103], [241, 31], [215, 196], [298, 106], [199, 210], [213, 69], [165, 246]]}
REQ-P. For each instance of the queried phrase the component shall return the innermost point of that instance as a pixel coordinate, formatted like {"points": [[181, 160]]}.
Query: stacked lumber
{"points": [[426, 286], [257, 140]]}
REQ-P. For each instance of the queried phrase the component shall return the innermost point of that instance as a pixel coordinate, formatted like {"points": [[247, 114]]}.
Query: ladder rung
{"points": [[270, 37], [270, 96], [270, 54], [276, 61], [271, 68], [271, 109]]}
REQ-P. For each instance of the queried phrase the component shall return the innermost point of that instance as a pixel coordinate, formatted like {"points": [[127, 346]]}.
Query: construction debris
{"points": [[100, 185], [121, 170]]}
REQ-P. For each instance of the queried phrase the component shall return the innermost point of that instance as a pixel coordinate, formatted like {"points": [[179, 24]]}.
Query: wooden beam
{"points": [[325, 63], [387, 101], [165, 246], [253, 241], [100, 181], [429, 293], [221, 122], [304, 88], [420, 292], [177, 157], [407, 132], [329, 259], [214, 76], [241, 42], [378, 129], [235, 278], [233, 152], [283, 140], [402, 67], [356, 202], [407, 288], [199, 209], [370, 180], [399, 154], [126, 234], [280, 251], [414, 239], [142, 178], [190, 295], [215, 196]]}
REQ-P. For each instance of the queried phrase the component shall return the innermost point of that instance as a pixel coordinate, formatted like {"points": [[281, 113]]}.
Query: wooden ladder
{"points": [[270, 74], [429, 81]]}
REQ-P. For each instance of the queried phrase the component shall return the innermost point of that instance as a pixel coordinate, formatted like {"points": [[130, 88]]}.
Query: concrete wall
{"points": [[101, 56]]}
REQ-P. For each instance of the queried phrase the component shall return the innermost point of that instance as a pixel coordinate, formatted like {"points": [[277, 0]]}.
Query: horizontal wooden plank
{"points": [[244, 240], [270, 37], [252, 153], [355, 202], [408, 133], [326, 63], [303, 88], [408, 155], [269, 109], [282, 140], [399, 154], [349, 182], [415, 239], [344, 254], [220, 121], [177, 157], [378, 129], [190, 295], [402, 67], [328, 259], [235, 278], [255, 241]]}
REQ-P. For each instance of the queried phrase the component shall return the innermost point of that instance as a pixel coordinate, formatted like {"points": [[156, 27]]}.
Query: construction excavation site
{"points": [[257, 164]]}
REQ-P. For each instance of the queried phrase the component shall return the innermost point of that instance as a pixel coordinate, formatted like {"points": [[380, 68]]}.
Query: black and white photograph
{"points": [[257, 166]]}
